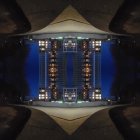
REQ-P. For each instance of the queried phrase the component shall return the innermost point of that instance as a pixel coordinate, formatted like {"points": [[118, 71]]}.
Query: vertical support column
{"points": [[41, 74], [96, 93], [45, 69], [94, 79], [43, 84], [97, 69]]}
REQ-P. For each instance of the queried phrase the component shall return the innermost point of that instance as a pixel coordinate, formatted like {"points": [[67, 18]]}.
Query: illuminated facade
{"points": [[69, 69]]}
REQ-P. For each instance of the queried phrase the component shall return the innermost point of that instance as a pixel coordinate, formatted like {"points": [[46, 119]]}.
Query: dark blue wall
{"points": [[32, 68], [70, 70], [107, 69]]}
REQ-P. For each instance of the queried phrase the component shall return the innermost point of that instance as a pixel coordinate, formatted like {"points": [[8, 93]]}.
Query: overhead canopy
{"points": [[69, 21]]}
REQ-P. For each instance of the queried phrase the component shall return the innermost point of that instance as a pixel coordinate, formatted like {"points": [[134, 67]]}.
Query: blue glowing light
{"points": [[107, 69], [32, 68], [70, 69]]}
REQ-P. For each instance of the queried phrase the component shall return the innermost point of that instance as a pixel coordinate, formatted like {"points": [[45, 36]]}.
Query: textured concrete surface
{"points": [[132, 114], [41, 13], [40, 127], [69, 21], [127, 121], [97, 126], [70, 119], [12, 120], [32, 15], [7, 114], [70, 126], [69, 113]]}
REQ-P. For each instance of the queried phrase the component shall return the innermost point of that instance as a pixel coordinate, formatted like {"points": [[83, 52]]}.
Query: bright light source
{"points": [[42, 49], [97, 90], [79, 102], [79, 37], [41, 96], [43, 43], [96, 43], [60, 102], [73, 95], [66, 95], [60, 37], [42, 90], [97, 49]]}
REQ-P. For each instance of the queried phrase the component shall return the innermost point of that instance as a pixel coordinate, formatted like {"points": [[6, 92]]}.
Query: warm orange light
{"points": [[87, 70]]}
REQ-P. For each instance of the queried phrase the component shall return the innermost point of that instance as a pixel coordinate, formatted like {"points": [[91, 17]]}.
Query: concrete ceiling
{"points": [[22, 16], [69, 21], [127, 19]]}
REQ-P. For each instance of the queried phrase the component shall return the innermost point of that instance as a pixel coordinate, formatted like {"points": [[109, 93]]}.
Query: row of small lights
{"points": [[66, 95], [95, 44], [43, 44], [73, 44], [53, 69], [86, 69]]}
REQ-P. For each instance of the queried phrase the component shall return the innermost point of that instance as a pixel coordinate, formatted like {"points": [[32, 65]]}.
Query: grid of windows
{"points": [[51, 53]]}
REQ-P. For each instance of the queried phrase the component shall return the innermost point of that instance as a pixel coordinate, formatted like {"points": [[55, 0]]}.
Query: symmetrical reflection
{"points": [[69, 69]]}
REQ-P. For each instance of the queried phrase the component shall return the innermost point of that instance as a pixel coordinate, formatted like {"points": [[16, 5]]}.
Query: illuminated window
{"points": [[98, 96], [55, 62], [43, 45], [96, 45], [41, 96]]}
